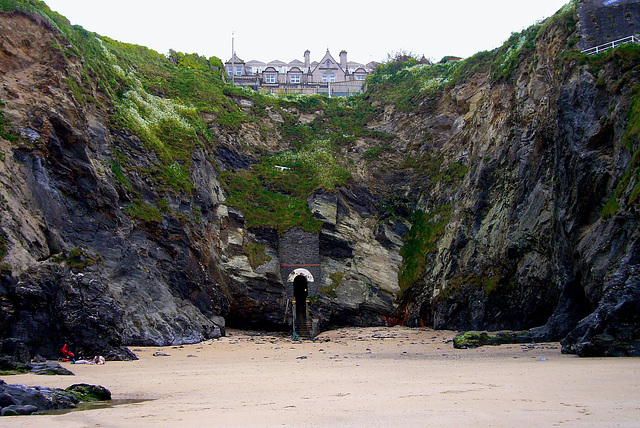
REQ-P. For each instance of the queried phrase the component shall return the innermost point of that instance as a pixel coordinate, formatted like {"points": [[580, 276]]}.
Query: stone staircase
{"points": [[304, 329]]}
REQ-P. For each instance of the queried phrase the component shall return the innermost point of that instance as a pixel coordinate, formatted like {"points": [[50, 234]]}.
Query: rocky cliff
{"points": [[145, 202]]}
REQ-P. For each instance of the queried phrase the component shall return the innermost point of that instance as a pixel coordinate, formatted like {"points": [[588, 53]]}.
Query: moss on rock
{"points": [[475, 339], [89, 393]]}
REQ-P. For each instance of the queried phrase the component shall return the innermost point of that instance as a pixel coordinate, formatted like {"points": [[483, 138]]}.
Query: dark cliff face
{"points": [[78, 269], [503, 202], [529, 242]]}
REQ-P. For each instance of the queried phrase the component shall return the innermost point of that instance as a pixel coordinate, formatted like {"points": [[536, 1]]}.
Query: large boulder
{"points": [[17, 399], [613, 329], [41, 397]]}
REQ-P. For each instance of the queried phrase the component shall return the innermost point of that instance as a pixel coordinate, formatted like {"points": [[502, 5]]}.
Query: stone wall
{"points": [[601, 24], [300, 249]]}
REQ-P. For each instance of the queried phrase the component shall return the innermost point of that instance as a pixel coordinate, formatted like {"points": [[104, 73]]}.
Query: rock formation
{"points": [[17, 399], [499, 194]]}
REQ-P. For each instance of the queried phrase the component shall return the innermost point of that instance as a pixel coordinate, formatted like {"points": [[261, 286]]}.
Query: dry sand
{"points": [[369, 377]]}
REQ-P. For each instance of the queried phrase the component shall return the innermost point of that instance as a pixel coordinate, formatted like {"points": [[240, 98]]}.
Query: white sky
{"points": [[278, 29]]}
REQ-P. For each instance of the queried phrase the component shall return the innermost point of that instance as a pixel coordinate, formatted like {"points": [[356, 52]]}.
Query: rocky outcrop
{"points": [[528, 243], [14, 355], [78, 269], [360, 260], [500, 181], [15, 358], [17, 399]]}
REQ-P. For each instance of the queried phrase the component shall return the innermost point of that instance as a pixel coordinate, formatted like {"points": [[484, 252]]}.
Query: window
{"points": [[249, 70], [238, 71], [324, 77], [332, 77], [230, 71], [270, 78], [328, 63], [359, 76], [295, 78]]}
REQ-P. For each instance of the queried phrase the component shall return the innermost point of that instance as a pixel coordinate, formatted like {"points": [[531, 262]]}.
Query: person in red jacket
{"points": [[67, 355]]}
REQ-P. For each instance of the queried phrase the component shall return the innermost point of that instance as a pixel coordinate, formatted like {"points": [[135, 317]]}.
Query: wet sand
{"points": [[369, 377]]}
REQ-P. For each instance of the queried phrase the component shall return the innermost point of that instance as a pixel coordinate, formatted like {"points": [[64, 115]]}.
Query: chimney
{"points": [[343, 60], [307, 62]]}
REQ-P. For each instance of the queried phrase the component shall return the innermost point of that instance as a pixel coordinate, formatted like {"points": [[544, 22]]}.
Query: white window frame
{"points": [[238, 71], [295, 78], [332, 77], [270, 78]]}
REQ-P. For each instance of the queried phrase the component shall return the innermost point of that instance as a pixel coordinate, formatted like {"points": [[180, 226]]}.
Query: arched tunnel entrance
{"points": [[299, 282], [300, 294]]}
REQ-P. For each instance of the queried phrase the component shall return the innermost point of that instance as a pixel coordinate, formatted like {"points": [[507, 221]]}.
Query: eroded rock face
{"points": [[360, 273], [78, 270], [527, 244], [510, 176]]}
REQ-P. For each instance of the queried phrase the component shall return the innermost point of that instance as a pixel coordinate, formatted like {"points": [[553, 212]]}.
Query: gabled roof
{"points": [[255, 62], [327, 58], [235, 59], [276, 63], [296, 63]]}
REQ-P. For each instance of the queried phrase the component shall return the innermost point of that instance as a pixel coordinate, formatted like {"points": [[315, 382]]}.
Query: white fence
{"points": [[611, 45]]}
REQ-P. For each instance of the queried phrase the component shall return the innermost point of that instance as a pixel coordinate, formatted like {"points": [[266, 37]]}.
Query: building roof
{"points": [[328, 59], [235, 59], [255, 62], [296, 63]]}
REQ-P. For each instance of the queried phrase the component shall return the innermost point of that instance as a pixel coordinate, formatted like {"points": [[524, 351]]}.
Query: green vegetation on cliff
{"points": [[158, 101], [426, 230], [274, 192], [409, 85]]}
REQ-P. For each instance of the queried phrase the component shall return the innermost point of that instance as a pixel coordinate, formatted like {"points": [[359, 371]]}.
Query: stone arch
{"points": [[300, 272]]}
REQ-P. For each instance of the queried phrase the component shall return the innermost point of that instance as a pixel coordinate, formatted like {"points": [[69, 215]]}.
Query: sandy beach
{"points": [[373, 377]]}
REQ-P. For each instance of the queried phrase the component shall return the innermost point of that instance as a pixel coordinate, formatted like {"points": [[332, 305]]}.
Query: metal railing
{"points": [[611, 45]]}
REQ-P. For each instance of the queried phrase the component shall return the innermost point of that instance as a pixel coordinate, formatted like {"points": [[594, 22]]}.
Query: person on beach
{"points": [[66, 354], [98, 359]]}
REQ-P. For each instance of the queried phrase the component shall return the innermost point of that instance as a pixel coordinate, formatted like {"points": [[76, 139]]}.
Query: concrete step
{"points": [[304, 330]]}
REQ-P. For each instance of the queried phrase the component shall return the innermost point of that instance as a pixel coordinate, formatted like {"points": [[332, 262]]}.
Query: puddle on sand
{"points": [[94, 405]]}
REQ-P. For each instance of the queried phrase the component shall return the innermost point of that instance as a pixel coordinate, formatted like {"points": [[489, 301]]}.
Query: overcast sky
{"points": [[278, 29]]}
